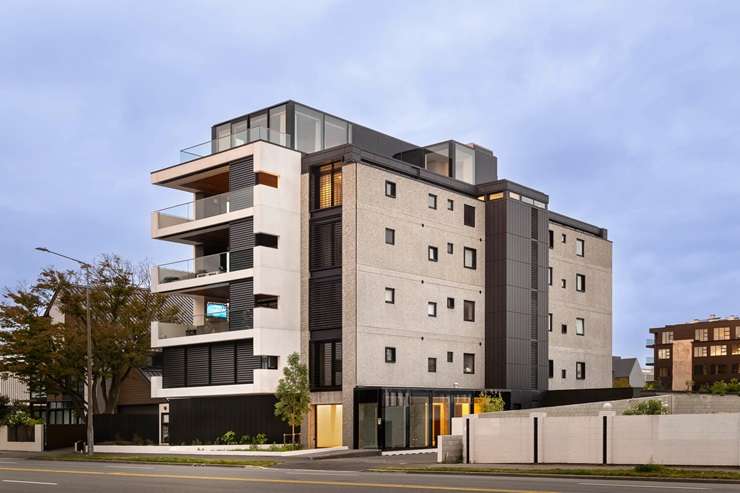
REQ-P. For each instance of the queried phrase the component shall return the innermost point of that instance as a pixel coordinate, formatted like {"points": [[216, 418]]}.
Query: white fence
{"points": [[679, 439], [37, 445]]}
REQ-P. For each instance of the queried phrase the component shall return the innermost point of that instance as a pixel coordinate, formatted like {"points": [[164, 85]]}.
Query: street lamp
{"points": [[90, 397]]}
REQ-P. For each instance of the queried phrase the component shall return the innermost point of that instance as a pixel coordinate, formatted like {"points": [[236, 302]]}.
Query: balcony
{"points": [[202, 271], [650, 361], [650, 342], [203, 328], [226, 142], [202, 213]]}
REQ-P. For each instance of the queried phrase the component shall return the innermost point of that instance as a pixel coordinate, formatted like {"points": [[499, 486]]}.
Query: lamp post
{"points": [[90, 397]]}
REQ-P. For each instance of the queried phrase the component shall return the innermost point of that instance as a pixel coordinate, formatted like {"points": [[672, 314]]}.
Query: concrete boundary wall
{"points": [[679, 439], [36, 446]]}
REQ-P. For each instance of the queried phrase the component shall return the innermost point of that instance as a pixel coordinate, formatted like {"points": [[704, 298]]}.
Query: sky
{"points": [[627, 114]]}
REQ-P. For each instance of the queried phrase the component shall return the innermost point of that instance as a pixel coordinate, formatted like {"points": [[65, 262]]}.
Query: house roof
{"points": [[622, 367]]}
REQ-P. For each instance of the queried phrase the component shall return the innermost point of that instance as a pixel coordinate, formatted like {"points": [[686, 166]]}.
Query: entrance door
{"points": [[328, 425]]}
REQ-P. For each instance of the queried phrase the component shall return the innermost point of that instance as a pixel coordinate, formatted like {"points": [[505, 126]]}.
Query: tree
{"points": [[490, 403], [293, 394], [49, 353]]}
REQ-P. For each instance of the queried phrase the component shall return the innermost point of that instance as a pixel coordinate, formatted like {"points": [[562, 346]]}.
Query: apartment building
{"points": [[409, 278], [690, 355]]}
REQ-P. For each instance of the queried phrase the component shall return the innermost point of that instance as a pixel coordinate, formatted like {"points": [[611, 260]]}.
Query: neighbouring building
{"points": [[694, 354], [408, 278], [626, 372]]}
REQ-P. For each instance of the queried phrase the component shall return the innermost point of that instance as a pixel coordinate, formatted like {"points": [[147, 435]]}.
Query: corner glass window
{"points": [[464, 164], [308, 129], [238, 133], [279, 126], [437, 159], [335, 132], [223, 138]]}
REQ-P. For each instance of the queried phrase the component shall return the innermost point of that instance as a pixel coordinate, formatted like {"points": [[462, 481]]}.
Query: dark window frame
{"points": [[466, 304], [433, 306], [469, 215], [390, 354], [580, 370], [392, 236], [431, 365], [393, 295], [432, 201], [432, 253], [450, 303], [582, 279], [472, 367], [474, 263], [390, 189]]}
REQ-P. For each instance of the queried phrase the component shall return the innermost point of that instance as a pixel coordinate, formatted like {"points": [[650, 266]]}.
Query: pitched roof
{"points": [[622, 367]]}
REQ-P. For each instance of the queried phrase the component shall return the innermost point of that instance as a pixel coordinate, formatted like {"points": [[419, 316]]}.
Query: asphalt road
{"points": [[51, 477]]}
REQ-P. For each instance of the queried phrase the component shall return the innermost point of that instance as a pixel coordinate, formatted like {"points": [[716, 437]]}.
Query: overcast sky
{"points": [[625, 113]]}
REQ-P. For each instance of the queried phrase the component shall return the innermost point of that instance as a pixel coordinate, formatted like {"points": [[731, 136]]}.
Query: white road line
{"points": [[7, 462], [28, 482], [647, 486], [131, 467]]}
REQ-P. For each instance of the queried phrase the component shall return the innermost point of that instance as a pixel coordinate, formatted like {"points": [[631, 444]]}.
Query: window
{"points": [[666, 337], [564, 328], [266, 179], [549, 322], [464, 164], [470, 258], [468, 363], [737, 332], [432, 201], [552, 238], [563, 238], [721, 334], [390, 295], [700, 352], [265, 240], [390, 355], [451, 303], [580, 370], [269, 362], [432, 309], [390, 236], [580, 327], [469, 311], [550, 368], [580, 247], [432, 365], [664, 372], [701, 335], [450, 205], [278, 125], [563, 373], [718, 350], [549, 276], [265, 301], [325, 364], [308, 129], [469, 215], [563, 283], [735, 349], [735, 368], [433, 254], [335, 132], [450, 357], [390, 189], [580, 283], [699, 369], [329, 181], [721, 368], [450, 248], [664, 354]]}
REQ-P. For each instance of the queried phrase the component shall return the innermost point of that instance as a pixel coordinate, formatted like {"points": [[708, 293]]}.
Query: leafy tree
{"points": [[50, 353], [293, 394], [649, 407], [490, 403]]}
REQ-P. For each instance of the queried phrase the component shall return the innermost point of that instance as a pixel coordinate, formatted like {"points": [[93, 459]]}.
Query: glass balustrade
{"points": [[208, 324], [209, 265], [206, 207], [225, 142]]}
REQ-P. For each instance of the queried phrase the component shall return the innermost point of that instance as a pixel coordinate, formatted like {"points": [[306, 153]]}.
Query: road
{"points": [[24, 476]]}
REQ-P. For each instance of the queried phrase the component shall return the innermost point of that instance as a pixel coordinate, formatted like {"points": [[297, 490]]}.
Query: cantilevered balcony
{"points": [[203, 329], [236, 139], [199, 272], [650, 361], [650, 342], [202, 213]]}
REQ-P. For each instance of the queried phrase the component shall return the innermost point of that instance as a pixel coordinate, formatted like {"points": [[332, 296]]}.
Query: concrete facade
{"points": [[594, 306]]}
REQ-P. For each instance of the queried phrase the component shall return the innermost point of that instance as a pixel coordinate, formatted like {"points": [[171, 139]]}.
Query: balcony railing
{"points": [[234, 140], [650, 361], [207, 207], [650, 342], [209, 265], [231, 320]]}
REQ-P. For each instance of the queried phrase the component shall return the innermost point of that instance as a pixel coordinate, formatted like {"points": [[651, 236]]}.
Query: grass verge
{"points": [[160, 459], [644, 471]]}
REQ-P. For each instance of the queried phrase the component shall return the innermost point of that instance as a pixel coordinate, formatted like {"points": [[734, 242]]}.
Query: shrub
{"points": [[718, 388], [733, 386], [228, 438], [649, 468], [491, 403], [245, 440], [649, 407], [260, 439], [21, 417]]}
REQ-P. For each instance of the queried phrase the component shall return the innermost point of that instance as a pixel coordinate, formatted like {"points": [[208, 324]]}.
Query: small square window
{"points": [[580, 247], [580, 283], [470, 260], [549, 276], [468, 363], [469, 311], [432, 309], [390, 236], [390, 355], [580, 327], [450, 356], [390, 189], [469, 215], [450, 205], [563, 283], [564, 328], [432, 201], [432, 365], [390, 295], [563, 238], [433, 254], [450, 248], [450, 303]]}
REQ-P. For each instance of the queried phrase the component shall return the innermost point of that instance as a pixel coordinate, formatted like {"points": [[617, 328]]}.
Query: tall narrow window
{"points": [[469, 215], [549, 276], [390, 355], [432, 201], [390, 236], [580, 370], [432, 254], [450, 248], [329, 181], [469, 311], [390, 295], [552, 238], [390, 189], [470, 258], [549, 322], [432, 309], [580, 283], [580, 247], [335, 132], [450, 205], [550, 368], [432, 365], [308, 129], [468, 363], [580, 327], [451, 303]]}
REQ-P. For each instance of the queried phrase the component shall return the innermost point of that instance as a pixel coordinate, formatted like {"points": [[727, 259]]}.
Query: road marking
{"points": [[648, 486], [28, 482], [144, 468], [7, 462], [339, 484]]}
